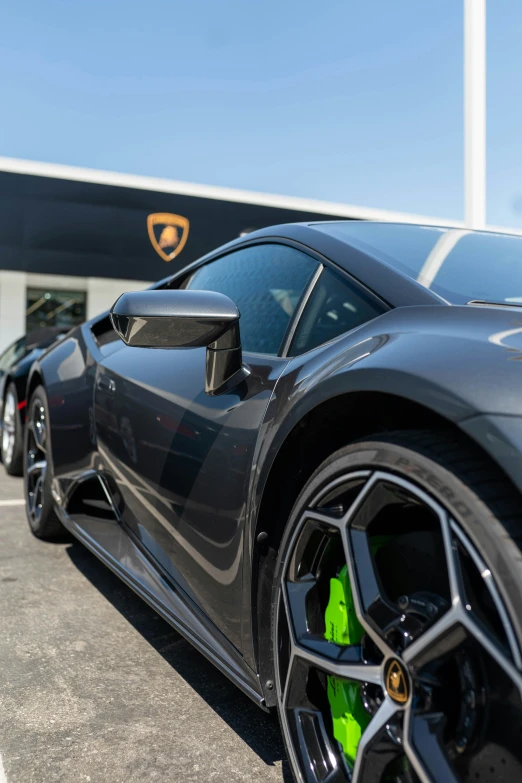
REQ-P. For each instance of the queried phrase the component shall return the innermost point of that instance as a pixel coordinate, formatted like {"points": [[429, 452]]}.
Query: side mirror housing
{"points": [[185, 319]]}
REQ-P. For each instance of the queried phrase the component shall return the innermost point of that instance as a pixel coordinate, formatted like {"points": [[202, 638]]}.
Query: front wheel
{"points": [[397, 614], [42, 517]]}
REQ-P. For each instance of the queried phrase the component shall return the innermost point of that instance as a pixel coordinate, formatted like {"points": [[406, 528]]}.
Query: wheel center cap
{"points": [[396, 682]]}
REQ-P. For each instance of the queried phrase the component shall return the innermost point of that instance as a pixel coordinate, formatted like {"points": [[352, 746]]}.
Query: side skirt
{"points": [[111, 544]]}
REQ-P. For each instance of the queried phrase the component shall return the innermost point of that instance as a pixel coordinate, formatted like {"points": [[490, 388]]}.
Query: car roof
{"points": [[369, 267], [390, 284]]}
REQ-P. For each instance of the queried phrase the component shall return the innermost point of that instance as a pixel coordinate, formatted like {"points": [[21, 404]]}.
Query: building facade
{"points": [[72, 240]]}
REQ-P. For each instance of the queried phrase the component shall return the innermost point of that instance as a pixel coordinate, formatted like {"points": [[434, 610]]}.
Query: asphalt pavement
{"points": [[94, 686]]}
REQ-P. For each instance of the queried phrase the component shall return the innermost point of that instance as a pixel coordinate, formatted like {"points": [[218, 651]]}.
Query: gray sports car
{"points": [[305, 452]]}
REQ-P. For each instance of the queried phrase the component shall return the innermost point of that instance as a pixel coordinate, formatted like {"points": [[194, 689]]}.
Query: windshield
{"points": [[458, 265]]}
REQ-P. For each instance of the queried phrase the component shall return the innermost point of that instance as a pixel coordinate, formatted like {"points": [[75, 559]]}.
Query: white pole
{"points": [[475, 113]]}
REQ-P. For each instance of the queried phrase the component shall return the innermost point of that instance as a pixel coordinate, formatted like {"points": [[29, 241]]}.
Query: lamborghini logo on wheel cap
{"points": [[168, 234], [396, 682]]}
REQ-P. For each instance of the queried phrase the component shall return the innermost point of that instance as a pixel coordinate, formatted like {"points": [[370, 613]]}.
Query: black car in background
{"points": [[305, 452], [15, 363]]}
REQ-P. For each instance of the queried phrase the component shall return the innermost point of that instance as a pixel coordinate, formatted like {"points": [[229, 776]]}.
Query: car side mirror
{"points": [[185, 319]]}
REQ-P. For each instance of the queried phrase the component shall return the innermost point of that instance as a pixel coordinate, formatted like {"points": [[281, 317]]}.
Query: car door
{"points": [[180, 459]]}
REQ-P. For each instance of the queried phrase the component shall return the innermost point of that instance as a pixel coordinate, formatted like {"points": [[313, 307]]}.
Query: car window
{"points": [[266, 283], [457, 264], [12, 354], [335, 306]]}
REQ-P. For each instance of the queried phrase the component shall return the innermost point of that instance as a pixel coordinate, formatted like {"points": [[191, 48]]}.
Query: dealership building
{"points": [[73, 239]]}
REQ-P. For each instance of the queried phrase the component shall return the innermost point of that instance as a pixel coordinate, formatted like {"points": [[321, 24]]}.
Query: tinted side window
{"points": [[266, 283], [335, 306]]}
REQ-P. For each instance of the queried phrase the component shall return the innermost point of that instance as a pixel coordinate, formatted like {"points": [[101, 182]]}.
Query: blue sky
{"points": [[358, 102]]}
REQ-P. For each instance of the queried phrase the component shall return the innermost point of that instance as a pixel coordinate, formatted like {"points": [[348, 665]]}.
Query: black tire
{"points": [[12, 433], [484, 516], [38, 470]]}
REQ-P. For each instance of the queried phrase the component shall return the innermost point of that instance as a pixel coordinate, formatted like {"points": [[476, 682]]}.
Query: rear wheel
{"points": [[397, 609], [12, 438], [41, 515]]}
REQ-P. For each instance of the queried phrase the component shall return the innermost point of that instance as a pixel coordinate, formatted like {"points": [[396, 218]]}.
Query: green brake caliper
{"points": [[342, 627]]}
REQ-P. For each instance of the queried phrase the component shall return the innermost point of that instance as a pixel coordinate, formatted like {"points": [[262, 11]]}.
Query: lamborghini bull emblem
{"points": [[397, 683], [168, 234]]}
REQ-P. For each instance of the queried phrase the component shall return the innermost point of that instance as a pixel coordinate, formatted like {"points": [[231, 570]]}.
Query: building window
{"points": [[54, 308]]}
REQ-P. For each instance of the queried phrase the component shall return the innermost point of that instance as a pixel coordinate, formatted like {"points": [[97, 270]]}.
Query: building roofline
{"points": [[158, 184]]}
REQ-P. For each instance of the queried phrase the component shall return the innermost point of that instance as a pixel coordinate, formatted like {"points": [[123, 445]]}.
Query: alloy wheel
{"points": [[396, 660], [8, 428], [36, 464]]}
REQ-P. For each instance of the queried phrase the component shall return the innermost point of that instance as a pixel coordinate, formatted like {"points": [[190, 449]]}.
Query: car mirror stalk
{"points": [[185, 319], [224, 364]]}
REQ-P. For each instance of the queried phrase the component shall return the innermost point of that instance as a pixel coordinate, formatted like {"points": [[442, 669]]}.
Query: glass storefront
{"points": [[54, 308]]}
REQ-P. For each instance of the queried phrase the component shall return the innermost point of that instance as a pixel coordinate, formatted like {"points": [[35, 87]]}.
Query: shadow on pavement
{"points": [[259, 730]]}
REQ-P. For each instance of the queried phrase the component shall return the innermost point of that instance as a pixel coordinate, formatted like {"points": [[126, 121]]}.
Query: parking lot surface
{"points": [[94, 686]]}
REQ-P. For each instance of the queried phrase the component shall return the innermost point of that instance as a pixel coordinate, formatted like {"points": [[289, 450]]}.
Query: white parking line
{"points": [[3, 778], [17, 502]]}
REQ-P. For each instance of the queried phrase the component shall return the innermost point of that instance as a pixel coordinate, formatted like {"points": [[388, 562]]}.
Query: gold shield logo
{"points": [[396, 683], [168, 234]]}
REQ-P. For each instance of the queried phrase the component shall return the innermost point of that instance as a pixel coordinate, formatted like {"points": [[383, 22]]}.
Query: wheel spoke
{"points": [[37, 427], [448, 633], [424, 745], [456, 582], [31, 502], [349, 663], [442, 637], [487, 578], [357, 671], [324, 519], [296, 600], [371, 761], [36, 436], [457, 623], [41, 438], [373, 609], [484, 638], [36, 467], [38, 489], [373, 604]]}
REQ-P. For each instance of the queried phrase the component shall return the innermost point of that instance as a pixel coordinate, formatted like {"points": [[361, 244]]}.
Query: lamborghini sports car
{"points": [[305, 452]]}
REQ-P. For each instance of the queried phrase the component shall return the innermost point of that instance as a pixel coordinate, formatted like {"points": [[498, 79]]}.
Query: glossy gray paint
{"points": [[186, 470]]}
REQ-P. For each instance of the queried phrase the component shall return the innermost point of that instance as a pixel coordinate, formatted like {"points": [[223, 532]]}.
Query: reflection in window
{"points": [[457, 264], [266, 283], [54, 308], [336, 306]]}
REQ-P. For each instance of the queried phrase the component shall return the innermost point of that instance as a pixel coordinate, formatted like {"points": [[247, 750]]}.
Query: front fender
{"points": [[67, 372], [501, 437], [457, 362]]}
